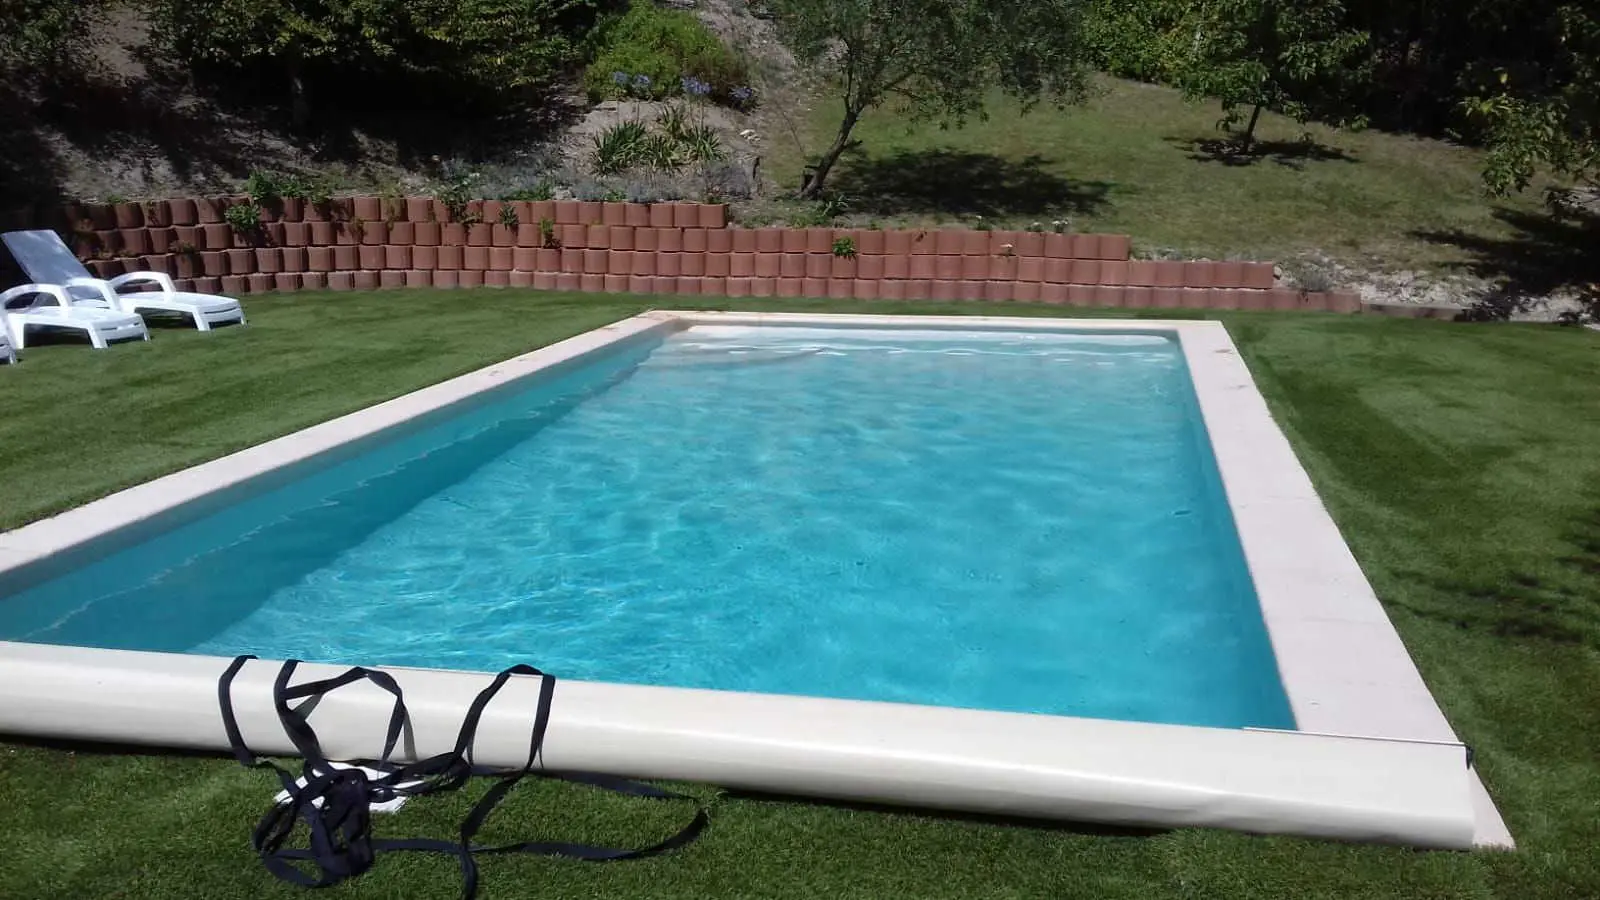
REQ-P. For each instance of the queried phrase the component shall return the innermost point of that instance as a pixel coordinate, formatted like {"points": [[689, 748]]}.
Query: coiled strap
{"points": [[336, 803]]}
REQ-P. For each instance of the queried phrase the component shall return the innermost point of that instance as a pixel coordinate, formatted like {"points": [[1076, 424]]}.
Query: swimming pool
{"points": [[1021, 522], [1057, 547]]}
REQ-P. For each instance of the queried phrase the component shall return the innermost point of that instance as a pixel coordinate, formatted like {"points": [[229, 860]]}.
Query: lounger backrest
{"points": [[44, 257]]}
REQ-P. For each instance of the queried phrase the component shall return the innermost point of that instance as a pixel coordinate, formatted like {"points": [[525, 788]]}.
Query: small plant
{"points": [[545, 189], [833, 206], [358, 227], [547, 235], [1035, 228], [456, 193], [661, 153], [1061, 226], [982, 224], [508, 216], [618, 148], [844, 248], [393, 203], [742, 98], [184, 248], [674, 121], [701, 144], [318, 192], [245, 218], [263, 186], [116, 198]]}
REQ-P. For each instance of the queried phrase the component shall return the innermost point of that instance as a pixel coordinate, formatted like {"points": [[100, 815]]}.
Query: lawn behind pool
{"points": [[1138, 159], [1459, 461]]}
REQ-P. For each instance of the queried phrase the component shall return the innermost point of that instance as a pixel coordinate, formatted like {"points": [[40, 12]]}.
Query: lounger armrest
{"points": [[53, 291], [107, 294], [160, 278]]}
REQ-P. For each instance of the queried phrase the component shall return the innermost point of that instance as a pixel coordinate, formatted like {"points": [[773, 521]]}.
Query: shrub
{"points": [[648, 52], [493, 46], [244, 217], [844, 248], [457, 191]]}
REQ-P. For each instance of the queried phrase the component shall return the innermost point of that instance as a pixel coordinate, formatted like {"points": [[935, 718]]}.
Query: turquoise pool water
{"points": [[1014, 521]]}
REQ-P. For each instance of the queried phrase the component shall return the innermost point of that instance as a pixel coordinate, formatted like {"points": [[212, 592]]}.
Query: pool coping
{"points": [[1344, 668]]}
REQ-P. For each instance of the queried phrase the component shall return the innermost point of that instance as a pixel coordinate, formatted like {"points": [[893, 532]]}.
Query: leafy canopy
{"points": [[1547, 116], [1296, 57], [500, 43], [938, 58], [38, 33]]}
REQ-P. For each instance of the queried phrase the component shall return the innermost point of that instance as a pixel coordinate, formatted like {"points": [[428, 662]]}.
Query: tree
{"points": [[1549, 115], [939, 58], [496, 45], [1296, 57]]}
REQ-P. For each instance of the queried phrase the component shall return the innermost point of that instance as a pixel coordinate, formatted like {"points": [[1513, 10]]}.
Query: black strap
{"points": [[336, 804]]}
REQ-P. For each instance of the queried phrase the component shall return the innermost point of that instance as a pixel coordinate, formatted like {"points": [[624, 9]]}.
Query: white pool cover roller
{"points": [[1053, 767]]}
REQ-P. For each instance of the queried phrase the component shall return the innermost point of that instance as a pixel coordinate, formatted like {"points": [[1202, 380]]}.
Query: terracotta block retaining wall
{"points": [[684, 249]]}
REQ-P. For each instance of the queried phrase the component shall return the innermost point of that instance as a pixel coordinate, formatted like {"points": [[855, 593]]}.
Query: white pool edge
{"points": [[1343, 667]]}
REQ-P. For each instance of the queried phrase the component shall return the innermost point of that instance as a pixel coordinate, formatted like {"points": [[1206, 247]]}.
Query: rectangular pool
{"points": [[1033, 567], [1026, 521]]}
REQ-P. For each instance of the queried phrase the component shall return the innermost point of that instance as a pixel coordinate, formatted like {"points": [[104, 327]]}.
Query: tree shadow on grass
{"points": [[962, 183], [1546, 254], [1290, 154]]}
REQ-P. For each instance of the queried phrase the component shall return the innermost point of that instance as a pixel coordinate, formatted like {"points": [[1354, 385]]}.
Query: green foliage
{"points": [[456, 191], [678, 141], [618, 148], [508, 216], [1134, 40], [245, 218], [674, 121], [266, 186], [43, 33], [488, 45], [653, 50], [939, 58], [660, 153], [701, 144], [844, 248], [1295, 57], [1550, 116], [547, 235]]}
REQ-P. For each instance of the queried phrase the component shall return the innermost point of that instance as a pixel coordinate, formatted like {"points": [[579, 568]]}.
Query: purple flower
{"points": [[641, 82], [742, 95], [695, 87], [620, 78]]}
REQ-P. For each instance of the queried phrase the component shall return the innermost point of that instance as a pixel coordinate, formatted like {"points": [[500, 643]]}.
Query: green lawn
{"points": [[1458, 459], [1126, 162]]}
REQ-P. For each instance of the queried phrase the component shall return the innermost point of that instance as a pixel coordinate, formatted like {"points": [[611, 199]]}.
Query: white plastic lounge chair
{"points": [[49, 306], [48, 261], [6, 353]]}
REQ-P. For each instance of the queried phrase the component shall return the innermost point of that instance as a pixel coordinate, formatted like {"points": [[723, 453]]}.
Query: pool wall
{"points": [[1374, 758]]}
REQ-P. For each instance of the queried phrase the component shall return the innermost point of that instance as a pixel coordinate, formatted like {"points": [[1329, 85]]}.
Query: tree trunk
{"points": [[1248, 138], [299, 103], [817, 175]]}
